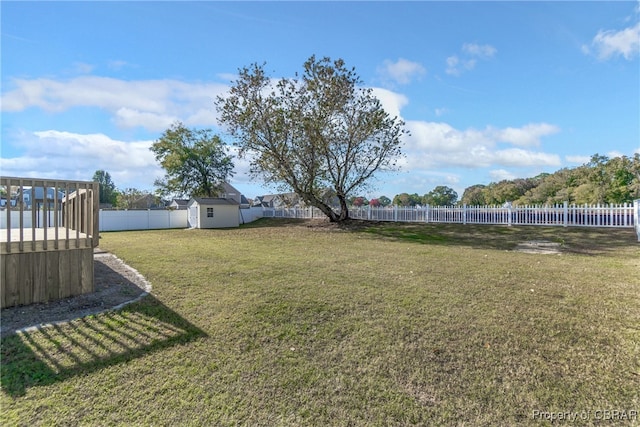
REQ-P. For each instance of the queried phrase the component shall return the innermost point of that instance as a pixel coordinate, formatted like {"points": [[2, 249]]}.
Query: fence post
{"points": [[464, 214], [566, 214], [395, 213], [636, 217], [510, 213]]}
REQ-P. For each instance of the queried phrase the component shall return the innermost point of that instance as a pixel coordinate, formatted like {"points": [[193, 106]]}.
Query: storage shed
{"points": [[213, 212]]}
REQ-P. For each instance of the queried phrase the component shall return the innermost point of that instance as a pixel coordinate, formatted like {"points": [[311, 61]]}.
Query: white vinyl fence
{"points": [[119, 220], [116, 220], [623, 215]]}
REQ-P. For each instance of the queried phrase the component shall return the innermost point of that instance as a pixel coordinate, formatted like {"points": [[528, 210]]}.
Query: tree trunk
{"points": [[344, 210], [326, 209]]}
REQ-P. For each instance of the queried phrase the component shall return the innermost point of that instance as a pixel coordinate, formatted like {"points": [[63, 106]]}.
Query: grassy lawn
{"points": [[283, 323]]}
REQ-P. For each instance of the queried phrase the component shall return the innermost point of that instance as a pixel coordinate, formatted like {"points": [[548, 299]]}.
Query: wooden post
{"points": [[8, 189]]}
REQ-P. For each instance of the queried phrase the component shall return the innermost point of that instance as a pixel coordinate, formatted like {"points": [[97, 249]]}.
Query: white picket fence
{"points": [[623, 215]]}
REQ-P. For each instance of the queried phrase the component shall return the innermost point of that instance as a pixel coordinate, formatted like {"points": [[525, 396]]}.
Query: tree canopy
{"points": [[321, 130], [601, 180], [108, 193], [406, 199], [195, 160], [441, 196]]}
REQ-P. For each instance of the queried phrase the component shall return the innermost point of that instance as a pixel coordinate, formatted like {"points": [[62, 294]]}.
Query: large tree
{"points": [[108, 192], [441, 196], [195, 160], [321, 130]]}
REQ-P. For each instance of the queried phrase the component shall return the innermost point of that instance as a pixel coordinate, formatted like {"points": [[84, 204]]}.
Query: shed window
{"points": [[209, 212]]}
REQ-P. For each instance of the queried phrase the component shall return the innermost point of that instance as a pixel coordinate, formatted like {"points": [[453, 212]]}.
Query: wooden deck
{"points": [[47, 238]]}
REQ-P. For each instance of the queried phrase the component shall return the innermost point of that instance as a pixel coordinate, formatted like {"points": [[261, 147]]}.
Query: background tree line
{"points": [[602, 180], [124, 198]]}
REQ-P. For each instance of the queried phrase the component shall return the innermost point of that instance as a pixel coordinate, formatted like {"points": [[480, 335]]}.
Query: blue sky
{"points": [[488, 90]]}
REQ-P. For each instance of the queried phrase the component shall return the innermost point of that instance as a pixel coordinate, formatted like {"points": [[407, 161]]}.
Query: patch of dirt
{"points": [[116, 284], [539, 247], [346, 225]]}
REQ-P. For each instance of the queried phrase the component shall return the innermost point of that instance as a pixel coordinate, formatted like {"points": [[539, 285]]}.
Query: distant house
{"points": [[36, 196], [230, 192], [284, 200], [213, 212], [179, 204]]}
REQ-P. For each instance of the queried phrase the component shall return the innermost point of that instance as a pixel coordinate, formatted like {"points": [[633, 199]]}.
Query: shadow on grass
{"points": [[55, 353], [278, 222], [579, 240]]}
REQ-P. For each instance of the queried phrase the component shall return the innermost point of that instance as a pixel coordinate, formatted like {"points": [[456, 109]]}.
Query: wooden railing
{"points": [[44, 215]]}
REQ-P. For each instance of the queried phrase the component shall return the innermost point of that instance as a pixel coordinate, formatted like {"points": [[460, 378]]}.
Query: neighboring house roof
{"points": [[39, 193], [180, 202], [278, 200], [212, 201], [230, 192]]}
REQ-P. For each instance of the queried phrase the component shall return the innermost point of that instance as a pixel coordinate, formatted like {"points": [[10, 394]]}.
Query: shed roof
{"points": [[209, 201]]}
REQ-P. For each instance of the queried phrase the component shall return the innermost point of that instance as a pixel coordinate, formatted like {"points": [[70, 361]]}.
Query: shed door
{"points": [[193, 216]]}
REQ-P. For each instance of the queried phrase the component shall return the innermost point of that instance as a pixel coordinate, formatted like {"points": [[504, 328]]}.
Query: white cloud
{"points": [[611, 43], [66, 155], [129, 118], [520, 157], [471, 52], [402, 71], [500, 175], [527, 135], [578, 160], [150, 104], [484, 51], [392, 102], [437, 145]]}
